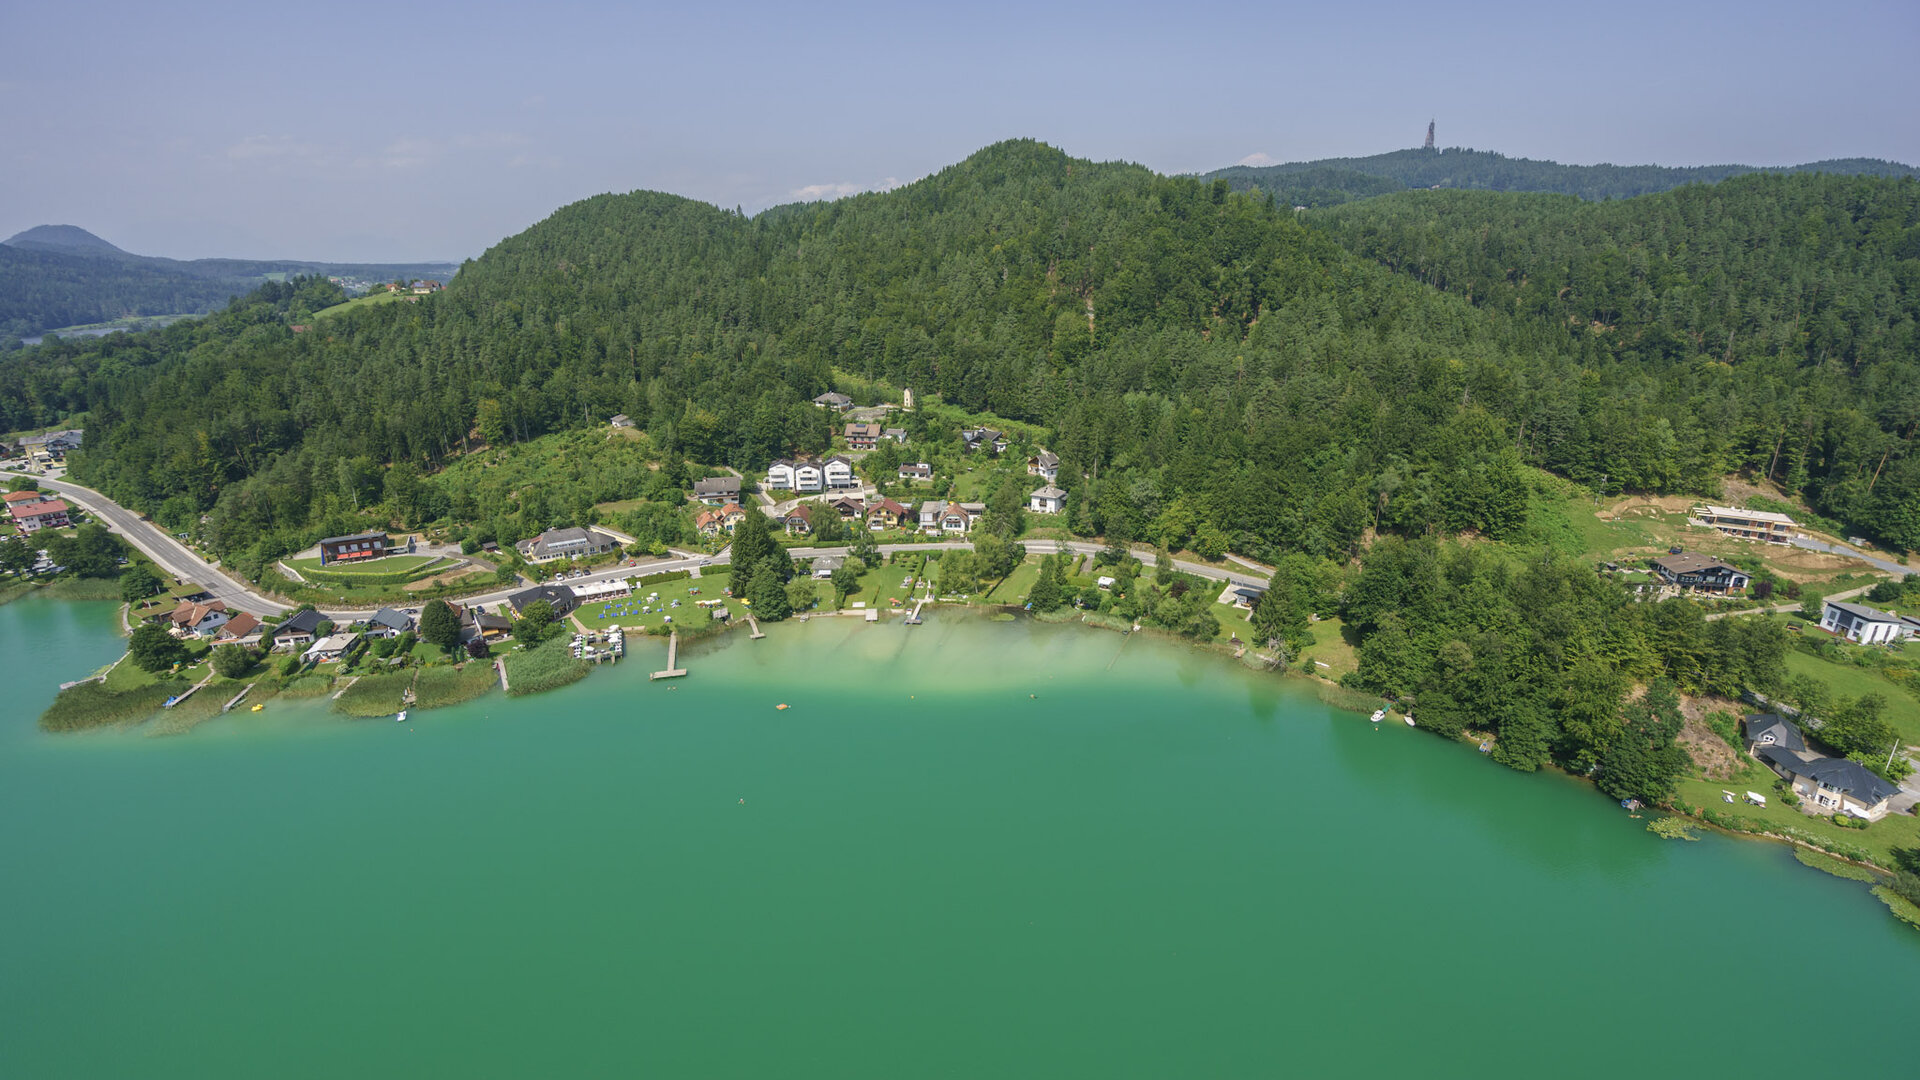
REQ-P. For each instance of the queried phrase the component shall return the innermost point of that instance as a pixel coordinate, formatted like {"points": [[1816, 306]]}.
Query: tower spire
{"points": [[1429, 143]]}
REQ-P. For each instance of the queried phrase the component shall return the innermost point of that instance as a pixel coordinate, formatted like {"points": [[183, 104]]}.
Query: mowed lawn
{"points": [[1878, 839], [638, 611], [1846, 680], [391, 564]]}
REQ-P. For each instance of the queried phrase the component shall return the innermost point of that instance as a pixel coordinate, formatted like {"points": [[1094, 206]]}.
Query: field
{"points": [[1330, 647], [628, 614], [1876, 841], [379, 296], [1846, 680]]}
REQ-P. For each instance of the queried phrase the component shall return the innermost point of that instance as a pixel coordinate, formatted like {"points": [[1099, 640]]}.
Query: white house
{"points": [[780, 475], [807, 476], [1045, 465], [837, 472], [918, 471], [1868, 626], [1048, 500], [328, 649]]}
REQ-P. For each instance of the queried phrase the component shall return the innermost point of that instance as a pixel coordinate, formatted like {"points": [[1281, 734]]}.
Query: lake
{"points": [[967, 849]]}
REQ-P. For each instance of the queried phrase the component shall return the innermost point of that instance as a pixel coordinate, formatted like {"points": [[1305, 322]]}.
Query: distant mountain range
{"points": [[62, 275], [1332, 181]]}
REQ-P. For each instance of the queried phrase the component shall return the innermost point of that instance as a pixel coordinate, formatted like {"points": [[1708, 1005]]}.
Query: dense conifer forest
{"points": [[1334, 180], [1206, 363]]}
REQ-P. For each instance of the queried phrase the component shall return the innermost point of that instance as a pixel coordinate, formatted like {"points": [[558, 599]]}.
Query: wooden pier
{"points": [[913, 617], [751, 624], [228, 707], [673, 650]]}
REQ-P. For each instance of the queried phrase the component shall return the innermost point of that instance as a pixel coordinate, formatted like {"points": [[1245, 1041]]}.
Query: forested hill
{"points": [[1783, 308], [1331, 181], [62, 275], [1200, 356]]}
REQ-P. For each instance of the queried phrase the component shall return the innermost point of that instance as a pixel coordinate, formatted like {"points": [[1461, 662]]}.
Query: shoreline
{"points": [[266, 687]]}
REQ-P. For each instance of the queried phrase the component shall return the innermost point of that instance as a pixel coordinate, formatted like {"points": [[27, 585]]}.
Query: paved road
{"points": [[1890, 567], [167, 553]]}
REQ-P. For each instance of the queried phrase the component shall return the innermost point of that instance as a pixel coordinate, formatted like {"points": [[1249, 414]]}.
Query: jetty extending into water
{"points": [[753, 624], [673, 650]]}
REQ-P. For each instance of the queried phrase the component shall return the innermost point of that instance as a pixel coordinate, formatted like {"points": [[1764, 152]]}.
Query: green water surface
{"points": [[968, 849]]}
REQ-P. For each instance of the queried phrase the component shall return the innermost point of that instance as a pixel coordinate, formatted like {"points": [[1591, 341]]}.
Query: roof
{"points": [[828, 562], [717, 485], [26, 496], [1047, 459], [917, 467], [391, 618], [895, 433], [1692, 563], [1850, 777], [333, 643], [843, 503], [832, 397], [621, 420], [1050, 492], [24, 510], [1862, 611], [1750, 515], [552, 594], [378, 535], [889, 506], [1251, 592], [871, 431], [1785, 735], [803, 512], [301, 622], [240, 625]]}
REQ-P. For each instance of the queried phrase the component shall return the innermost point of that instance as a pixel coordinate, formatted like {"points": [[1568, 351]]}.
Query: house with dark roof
{"points": [[717, 490], [366, 545], [560, 597], [848, 509], [297, 629], [799, 522], [1772, 729], [1832, 785], [1866, 625], [1046, 465], [975, 439], [387, 623], [833, 400], [862, 436], [1701, 573], [917, 471]]}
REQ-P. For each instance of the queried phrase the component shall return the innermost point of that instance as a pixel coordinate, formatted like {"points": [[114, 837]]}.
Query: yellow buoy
{"points": [[782, 705]]}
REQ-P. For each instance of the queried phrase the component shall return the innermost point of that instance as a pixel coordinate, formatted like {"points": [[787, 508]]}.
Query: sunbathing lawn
{"points": [[1330, 648], [1878, 839], [628, 614], [1845, 680], [1015, 587]]}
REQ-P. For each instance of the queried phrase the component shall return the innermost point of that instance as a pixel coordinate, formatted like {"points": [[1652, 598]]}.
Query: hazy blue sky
{"points": [[429, 130]]}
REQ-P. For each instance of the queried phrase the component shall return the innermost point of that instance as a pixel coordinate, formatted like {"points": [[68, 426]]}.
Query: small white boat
{"points": [[1379, 715], [1409, 719], [402, 718]]}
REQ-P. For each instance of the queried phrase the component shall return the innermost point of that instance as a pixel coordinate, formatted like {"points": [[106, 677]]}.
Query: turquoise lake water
{"points": [[967, 849]]}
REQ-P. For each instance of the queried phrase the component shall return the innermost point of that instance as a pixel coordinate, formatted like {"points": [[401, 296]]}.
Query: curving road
{"points": [[180, 561], [167, 553]]}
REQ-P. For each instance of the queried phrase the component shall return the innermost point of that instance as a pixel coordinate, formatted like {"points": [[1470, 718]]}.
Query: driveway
{"points": [[1889, 566]]}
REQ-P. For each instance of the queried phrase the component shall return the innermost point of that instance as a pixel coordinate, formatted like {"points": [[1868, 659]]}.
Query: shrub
{"points": [[544, 667]]}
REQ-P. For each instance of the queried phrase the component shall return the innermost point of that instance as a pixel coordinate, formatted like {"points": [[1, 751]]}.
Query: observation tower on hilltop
{"points": [[1428, 145]]}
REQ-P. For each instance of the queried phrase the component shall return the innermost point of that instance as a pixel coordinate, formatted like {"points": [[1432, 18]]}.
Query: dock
{"points": [[913, 617], [751, 624], [673, 650], [228, 707]]}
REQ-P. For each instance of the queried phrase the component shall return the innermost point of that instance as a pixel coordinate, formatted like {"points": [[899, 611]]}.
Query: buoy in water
{"points": [[782, 705]]}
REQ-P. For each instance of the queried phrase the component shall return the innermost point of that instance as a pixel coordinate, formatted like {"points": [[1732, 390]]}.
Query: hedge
{"points": [[667, 575]]}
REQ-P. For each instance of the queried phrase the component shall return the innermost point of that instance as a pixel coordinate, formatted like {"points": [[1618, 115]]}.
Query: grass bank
{"points": [[92, 705], [374, 695], [547, 666], [441, 686]]}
